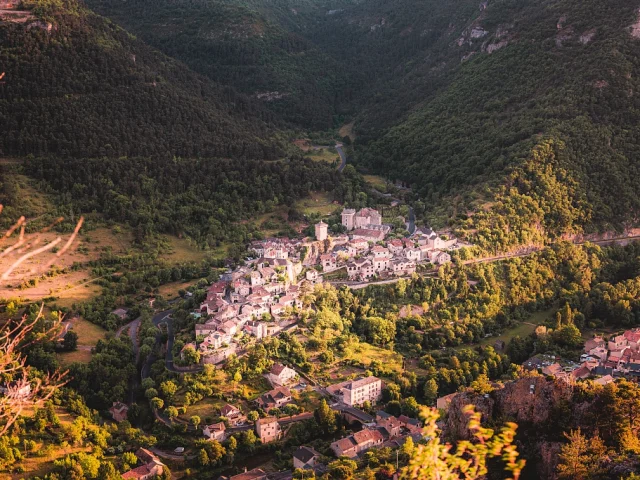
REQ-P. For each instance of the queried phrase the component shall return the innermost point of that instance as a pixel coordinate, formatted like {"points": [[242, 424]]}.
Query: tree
{"points": [[195, 421], [216, 451], [150, 393], [252, 416], [107, 471], [568, 335], [129, 458], [325, 417], [203, 458], [342, 469], [430, 391], [171, 412], [482, 384], [410, 407], [232, 444], [168, 389], [157, 403], [191, 355], [435, 460], [580, 458], [70, 341]]}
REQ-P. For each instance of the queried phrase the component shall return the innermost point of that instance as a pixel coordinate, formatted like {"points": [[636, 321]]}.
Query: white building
{"points": [[321, 230], [356, 392], [281, 375]]}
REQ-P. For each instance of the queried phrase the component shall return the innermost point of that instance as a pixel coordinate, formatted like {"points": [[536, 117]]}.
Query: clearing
{"points": [[88, 336], [347, 131], [377, 182], [319, 202], [522, 329], [323, 154]]}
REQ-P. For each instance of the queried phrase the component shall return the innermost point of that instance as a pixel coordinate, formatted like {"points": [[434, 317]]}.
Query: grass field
{"points": [[377, 182], [347, 131], [319, 202], [367, 353], [182, 251], [328, 155], [88, 336], [170, 290], [522, 329]]}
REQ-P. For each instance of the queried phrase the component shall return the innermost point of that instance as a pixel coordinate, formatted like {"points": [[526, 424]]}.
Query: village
{"points": [[603, 360], [257, 298], [348, 400]]}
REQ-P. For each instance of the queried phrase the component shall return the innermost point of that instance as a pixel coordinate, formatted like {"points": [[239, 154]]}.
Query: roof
{"points": [[364, 436], [632, 335], [604, 380], [228, 409], [409, 420], [383, 414], [218, 427], [345, 444], [277, 369], [255, 474], [361, 383], [137, 472], [305, 454], [266, 421]]}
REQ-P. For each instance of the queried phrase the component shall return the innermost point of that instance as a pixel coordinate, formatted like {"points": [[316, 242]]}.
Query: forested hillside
{"points": [[515, 122], [243, 44], [76, 84], [543, 107]]}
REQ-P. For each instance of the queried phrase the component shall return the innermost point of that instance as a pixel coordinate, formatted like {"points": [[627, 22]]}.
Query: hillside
{"points": [[258, 48], [76, 84], [542, 109], [463, 101]]}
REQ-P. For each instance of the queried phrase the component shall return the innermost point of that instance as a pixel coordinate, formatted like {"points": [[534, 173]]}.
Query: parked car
{"points": [[179, 450]]}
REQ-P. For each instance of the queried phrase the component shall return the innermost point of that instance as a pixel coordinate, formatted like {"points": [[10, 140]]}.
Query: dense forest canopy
{"points": [[87, 88]]}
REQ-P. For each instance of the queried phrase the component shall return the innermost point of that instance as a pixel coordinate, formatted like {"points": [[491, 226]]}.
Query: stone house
{"points": [[305, 458], [256, 328], [395, 246], [119, 411], [329, 262], [268, 429], [276, 398], [357, 443], [215, 431], [356, 392], [281, 375]]}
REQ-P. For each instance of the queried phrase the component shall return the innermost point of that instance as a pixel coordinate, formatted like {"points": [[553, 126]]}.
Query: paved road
{"points": [[360, 285], [609, 241], [343, 157], [133, 333]]}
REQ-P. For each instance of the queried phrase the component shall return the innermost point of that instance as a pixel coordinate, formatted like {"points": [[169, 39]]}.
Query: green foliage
{"points": [[469, 459], [135, 101], [202, 198]]}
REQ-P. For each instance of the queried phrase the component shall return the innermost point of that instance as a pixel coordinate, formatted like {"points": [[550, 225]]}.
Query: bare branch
{"points": [[26, 256]]}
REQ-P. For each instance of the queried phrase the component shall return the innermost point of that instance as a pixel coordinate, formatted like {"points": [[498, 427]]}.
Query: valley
{"points": [[249, 240]]}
